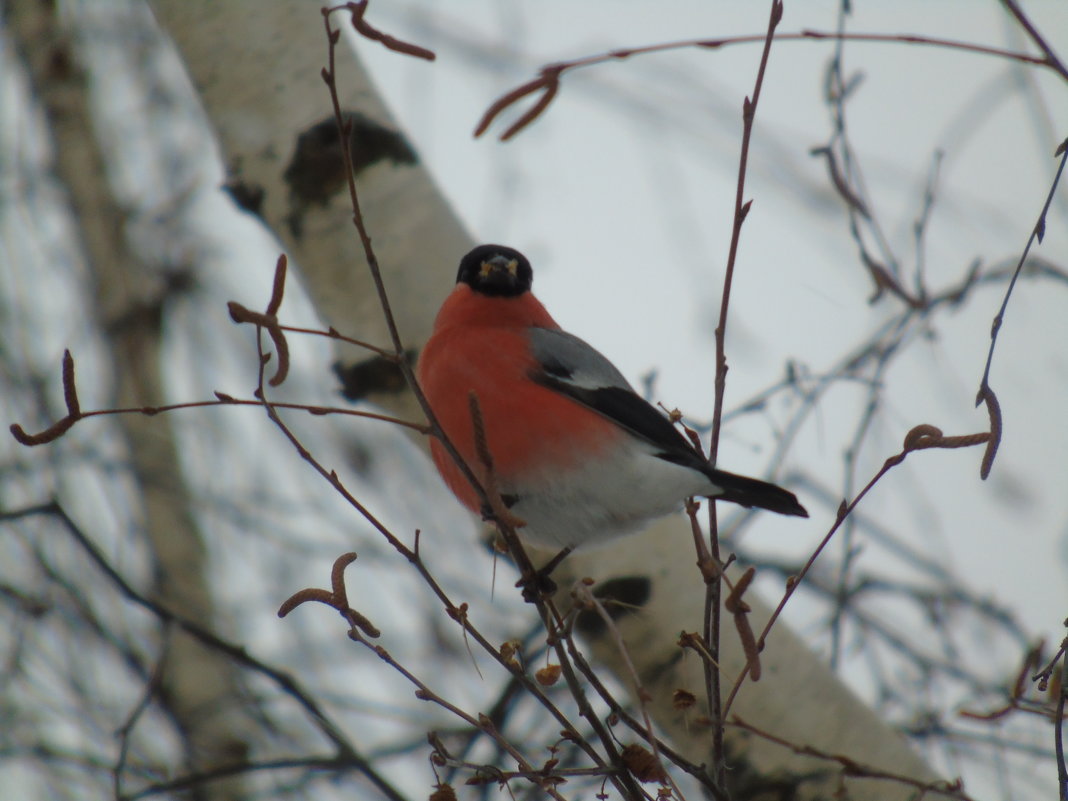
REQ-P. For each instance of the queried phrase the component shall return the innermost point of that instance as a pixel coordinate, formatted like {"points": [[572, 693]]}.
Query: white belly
{"points": [[604, 499]]}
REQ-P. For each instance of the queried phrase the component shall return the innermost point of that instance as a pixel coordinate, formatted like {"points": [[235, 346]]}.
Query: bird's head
{"points": [[496, 270]]}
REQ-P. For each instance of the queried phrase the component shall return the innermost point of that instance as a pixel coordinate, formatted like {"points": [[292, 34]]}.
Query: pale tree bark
{"points": [[198, 685], [256, 65]]}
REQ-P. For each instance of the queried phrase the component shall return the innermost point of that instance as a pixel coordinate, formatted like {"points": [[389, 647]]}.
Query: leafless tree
{"points": [[159, 506]]}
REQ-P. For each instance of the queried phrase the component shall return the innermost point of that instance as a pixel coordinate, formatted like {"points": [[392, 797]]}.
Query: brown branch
{"points": [[486, 774], [329, 76], [740, 610], [1043, 676], [857, 770], [548, 80], [624, 783], [412, 556], [336, 598], [363, 27], [333, 333], [269, 321], [197, 779], [221, 399], [480, 721], [741, 211], [920, 437], [545, 609], [845, 191], [584, 597], [124, 733], [1051, 59], [60, 427], [240, 314], [1017, 700], [1058, 738], [986, 393], [285, 682], [497, 506], [713, 590]]}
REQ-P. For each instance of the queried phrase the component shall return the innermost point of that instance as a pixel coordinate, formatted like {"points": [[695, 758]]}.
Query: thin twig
{"points": [[921, 437], [1051, 58], [548, 80], [238, 653], [713, 589], [986, 393], [550, 616], [853, 769]]}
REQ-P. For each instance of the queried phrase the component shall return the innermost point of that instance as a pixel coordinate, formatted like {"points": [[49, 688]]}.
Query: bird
{"points": [[577, 455]]}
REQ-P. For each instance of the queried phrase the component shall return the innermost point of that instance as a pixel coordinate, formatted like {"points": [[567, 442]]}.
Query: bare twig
{"points": [[1058, 732], [57, 429], [329, 76], [713, 589], [336, 597], [986, 393], [152, 687], [1051, 58], [364, 28], [545, 608], [585, 599], [548, 80], [921, 437], [853, 769], [346, 752]]}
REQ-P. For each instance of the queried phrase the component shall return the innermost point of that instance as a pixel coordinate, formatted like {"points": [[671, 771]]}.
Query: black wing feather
{"points": [[574, 369], [632, 412]]}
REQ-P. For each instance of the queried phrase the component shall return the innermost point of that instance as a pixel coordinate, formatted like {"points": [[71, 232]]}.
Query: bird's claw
{"points": [[539, 584]]}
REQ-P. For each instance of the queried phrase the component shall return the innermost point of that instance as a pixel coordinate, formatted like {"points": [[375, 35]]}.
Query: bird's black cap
{"points": [[496, 270]]}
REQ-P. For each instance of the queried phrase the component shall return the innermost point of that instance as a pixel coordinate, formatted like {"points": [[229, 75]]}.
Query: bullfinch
{"points": [[576, 453]]}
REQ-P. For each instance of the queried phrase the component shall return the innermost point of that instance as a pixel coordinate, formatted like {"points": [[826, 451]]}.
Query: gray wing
{"points": [[573, 362], [573, 368]]}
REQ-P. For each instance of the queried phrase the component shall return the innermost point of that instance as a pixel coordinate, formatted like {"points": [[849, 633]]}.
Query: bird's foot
{"points": [[540, 584]]}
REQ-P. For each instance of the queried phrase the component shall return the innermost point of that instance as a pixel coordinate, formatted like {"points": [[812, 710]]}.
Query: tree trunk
{"points": [[197, 685]]}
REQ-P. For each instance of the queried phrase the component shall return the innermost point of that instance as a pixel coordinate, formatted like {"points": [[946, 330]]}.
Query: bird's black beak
{"points": [[499, 275], [496, 271]]}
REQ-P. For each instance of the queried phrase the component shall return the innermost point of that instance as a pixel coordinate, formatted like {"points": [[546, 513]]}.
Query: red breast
{"points": [[480, 344]]}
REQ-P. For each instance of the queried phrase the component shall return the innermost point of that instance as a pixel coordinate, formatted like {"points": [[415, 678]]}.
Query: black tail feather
{"points": [[751, 492]]}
